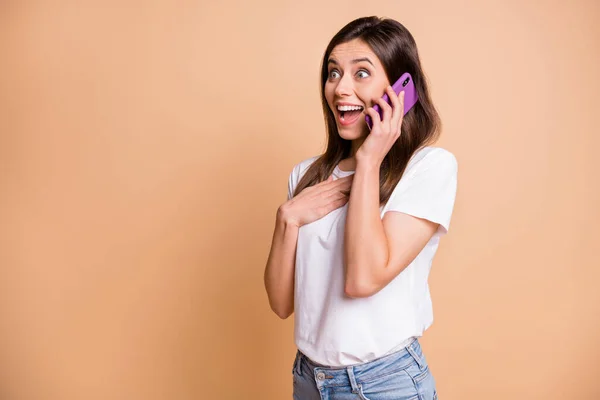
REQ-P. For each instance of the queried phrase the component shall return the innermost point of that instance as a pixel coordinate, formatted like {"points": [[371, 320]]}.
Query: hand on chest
{"points": [[328, 230]]}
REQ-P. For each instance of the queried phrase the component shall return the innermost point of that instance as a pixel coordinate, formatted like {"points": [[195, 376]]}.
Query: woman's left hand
{"points": [[385, 131]]}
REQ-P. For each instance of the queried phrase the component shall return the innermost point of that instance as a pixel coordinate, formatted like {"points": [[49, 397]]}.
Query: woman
{"points": [[353, 244]]}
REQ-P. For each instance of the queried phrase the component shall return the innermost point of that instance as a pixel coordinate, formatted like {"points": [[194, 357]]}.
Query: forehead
{"points": [[346, 52]]}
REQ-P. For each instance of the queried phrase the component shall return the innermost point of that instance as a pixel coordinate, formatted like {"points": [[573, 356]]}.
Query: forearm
{"points": [[366, 247], [280, 269]]}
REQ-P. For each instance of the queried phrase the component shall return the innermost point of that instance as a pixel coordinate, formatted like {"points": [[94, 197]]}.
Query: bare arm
{"points": [[366, 244], [378, 250], [279, 272], [308, 206]]}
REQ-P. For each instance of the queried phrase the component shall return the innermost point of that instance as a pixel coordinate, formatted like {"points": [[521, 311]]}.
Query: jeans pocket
{"points": [[419, 374], [396, 385], [296, 360], [423, 381]]}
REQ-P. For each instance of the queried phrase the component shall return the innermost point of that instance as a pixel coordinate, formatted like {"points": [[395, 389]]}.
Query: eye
{"points": [[362, 71], [365, 72]]}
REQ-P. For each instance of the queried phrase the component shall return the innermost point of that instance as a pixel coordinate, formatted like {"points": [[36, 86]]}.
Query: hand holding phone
{"points": [[404, 83]]}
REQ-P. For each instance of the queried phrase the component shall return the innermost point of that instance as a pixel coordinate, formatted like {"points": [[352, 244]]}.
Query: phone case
{"points": [[405, 82]]}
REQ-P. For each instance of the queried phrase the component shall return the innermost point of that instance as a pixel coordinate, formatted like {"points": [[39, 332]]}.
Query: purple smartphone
{"points": [[405, 82]]}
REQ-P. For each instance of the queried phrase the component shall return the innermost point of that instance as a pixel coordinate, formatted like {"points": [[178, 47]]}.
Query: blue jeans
{"points": [[403, 375]]}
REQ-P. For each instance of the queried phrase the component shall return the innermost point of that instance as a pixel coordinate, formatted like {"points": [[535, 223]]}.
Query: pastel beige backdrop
{"points": [[145, 147]]}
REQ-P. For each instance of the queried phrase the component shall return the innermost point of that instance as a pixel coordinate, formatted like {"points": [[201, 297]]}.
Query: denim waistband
{"points": [[346, 376]]}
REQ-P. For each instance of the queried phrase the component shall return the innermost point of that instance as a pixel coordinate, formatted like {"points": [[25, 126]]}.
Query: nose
{"points": [[344, 86]]}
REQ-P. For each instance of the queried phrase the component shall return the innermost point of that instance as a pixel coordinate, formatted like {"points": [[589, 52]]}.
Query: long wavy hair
{"points": [[396, 48]]}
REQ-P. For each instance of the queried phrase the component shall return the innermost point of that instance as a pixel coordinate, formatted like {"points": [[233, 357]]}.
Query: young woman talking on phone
{"points": [[353, 244]]}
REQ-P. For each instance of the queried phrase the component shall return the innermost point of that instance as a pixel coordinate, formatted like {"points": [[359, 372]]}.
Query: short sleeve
{"points": [[297, 172], [428, 189], [291, 185]]}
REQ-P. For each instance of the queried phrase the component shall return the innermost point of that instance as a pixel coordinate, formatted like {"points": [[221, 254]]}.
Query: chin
{"points": [[353, 134]]}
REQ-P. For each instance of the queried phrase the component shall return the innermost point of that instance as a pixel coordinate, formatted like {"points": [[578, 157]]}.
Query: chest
{"points": [[328, 229]]}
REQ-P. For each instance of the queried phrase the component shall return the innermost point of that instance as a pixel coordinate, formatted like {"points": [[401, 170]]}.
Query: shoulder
{"points": [[304, 164], [300, 168], [431, 157]]}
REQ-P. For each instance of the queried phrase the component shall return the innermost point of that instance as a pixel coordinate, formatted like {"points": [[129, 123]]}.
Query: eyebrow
{"points": [[356, 60]]}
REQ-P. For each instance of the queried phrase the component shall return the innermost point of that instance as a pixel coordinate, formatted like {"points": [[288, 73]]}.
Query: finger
{"points": [[339, 196], [386, 118], [374, 118], [323, 185], [334, 195], [337, 203], [343, 184], [326, 182], [401, 100], [339, 183], [387, 111], [400, 111], [331, 187], [397, 108]]}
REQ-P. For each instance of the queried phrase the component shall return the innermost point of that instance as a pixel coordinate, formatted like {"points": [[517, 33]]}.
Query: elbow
{"points": [[282, 312], [359, 289]]}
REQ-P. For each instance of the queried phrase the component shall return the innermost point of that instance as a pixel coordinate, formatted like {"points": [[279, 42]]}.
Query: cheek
{"points": [[369, 96], [328, 92]]}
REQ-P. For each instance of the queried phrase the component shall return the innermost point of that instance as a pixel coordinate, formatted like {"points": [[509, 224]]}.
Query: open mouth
{"points": [[349, 114]]}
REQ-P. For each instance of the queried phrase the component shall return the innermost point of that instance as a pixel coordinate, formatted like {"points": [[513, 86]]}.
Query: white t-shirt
{"points": [[336, 330]]}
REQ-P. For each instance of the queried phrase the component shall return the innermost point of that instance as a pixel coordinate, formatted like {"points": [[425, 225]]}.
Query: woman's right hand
{"points": [[316, 201]]}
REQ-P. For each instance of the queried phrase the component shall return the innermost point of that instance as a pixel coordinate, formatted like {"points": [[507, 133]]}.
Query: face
{"points": [[356, 78]]}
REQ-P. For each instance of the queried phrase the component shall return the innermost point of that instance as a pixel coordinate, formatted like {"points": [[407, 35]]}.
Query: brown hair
{"points": [[396, 49]]}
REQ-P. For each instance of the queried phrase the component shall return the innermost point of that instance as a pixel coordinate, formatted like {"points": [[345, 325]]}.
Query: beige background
{"points": [[145, 147]]}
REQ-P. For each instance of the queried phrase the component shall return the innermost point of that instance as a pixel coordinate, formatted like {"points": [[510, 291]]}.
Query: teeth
{"points": [[349, 108]]}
